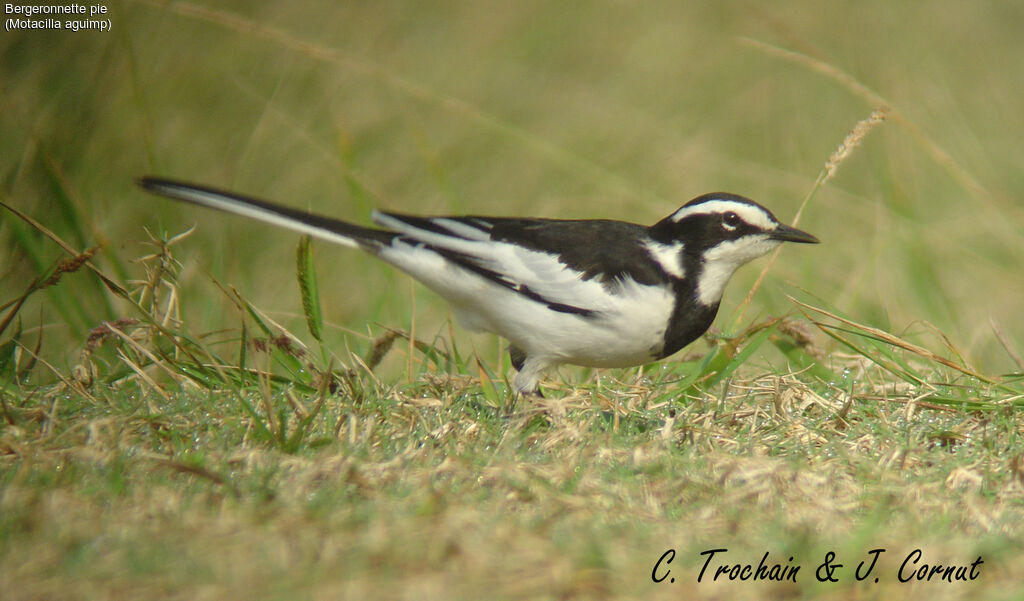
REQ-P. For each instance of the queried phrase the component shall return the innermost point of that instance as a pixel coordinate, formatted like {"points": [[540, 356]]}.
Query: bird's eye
{"points": [[730, 220]]}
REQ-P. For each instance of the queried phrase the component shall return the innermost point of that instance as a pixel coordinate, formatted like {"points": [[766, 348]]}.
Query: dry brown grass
{"points": [[429, 494]]}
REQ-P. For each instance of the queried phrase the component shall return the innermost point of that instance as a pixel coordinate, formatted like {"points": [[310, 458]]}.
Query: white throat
{"points": [[713, 279], [722, 260]]}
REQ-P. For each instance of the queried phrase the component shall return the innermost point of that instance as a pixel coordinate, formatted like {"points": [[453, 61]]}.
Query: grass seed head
{"points": [[853, 140]]}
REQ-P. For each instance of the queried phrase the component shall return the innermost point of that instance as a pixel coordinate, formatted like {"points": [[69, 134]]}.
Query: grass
{"points": [[189, 410]]}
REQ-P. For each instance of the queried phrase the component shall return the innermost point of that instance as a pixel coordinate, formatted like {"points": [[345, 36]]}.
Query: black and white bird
{"points": [[596, 293]]}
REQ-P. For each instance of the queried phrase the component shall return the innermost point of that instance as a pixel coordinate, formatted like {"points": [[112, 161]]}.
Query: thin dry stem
{"points": [[842, 152], [108, 282], [1001, 337], [940, 156]]}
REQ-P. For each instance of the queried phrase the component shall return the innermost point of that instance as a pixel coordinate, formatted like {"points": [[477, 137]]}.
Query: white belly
{"points": [[626, 327]]}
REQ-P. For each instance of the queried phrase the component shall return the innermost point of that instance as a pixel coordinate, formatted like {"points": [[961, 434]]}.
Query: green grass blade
{"points": [[727, 363], [724, 359], [242, 348], [800, 360], [7, 353], [309, 288]]}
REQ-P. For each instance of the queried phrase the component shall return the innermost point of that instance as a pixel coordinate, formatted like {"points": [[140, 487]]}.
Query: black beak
{"points": [[787, 233]]}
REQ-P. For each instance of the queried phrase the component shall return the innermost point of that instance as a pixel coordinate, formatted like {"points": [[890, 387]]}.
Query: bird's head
{"points": [[719, 232]]}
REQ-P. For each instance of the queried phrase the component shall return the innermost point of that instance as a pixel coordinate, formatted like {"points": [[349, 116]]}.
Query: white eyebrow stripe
{"points": [[749, 213]]}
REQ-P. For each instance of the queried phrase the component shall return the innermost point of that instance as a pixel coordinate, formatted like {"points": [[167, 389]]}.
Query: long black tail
{"points": [[332, 230]]}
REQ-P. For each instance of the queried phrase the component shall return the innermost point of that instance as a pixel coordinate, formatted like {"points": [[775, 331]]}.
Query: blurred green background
{"points": [[611, 109]]}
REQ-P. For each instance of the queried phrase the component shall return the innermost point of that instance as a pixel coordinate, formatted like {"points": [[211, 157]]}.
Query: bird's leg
{"points": [[527, 380], [517, 355]]}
